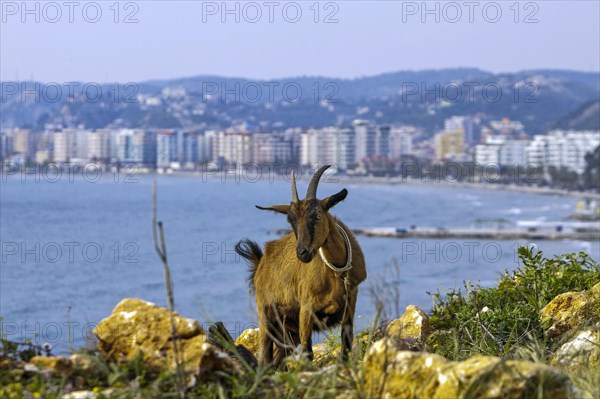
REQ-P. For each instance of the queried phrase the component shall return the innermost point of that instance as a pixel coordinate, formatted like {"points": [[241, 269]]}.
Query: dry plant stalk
{"points": [[161, 250]]}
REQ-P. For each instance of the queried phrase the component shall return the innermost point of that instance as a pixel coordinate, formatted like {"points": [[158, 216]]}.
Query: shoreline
{"points": [[506, 187], [237, 177], [392, 181]]}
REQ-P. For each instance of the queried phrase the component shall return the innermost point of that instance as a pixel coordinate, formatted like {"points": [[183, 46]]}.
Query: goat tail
{"points": [[250, 251]]}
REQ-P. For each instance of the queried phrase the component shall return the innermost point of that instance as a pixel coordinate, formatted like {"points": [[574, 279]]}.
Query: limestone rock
{"points": [[249, 339], [569, 311], [309, 378], [492, 378], [584, 350], [403, 374], [80, 395], [57, 364], [82, 362], [104, 393], [30, 368], [365, 338], [324, 354], [213, 359], [595, 293], [398, 374], [412, 328], [138, 327]]}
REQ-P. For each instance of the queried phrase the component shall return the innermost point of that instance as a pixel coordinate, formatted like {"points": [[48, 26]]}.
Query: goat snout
{"points": [[304, 254]]}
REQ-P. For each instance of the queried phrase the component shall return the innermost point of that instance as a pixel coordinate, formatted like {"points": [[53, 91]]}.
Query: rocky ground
{"points": [[136, 356]]}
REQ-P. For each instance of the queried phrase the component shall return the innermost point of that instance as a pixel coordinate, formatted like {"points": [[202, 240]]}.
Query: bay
{"points": [[71, 250]]}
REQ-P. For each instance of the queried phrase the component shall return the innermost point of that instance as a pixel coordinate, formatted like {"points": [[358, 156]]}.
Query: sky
{"points": [[105, 41]]}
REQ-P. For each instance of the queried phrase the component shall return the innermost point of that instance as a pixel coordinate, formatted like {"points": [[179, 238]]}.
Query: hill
{"points": [[586, 117], [538, 98]]}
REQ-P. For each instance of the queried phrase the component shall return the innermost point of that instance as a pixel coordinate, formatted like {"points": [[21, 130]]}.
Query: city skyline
{"points": [[361, 148]]}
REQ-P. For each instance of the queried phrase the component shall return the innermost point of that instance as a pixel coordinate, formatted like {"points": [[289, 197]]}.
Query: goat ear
{"points": [[331, 201], [275, 208]]}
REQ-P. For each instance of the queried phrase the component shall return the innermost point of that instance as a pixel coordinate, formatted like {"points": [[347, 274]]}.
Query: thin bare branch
{"points": [[161, 250]]}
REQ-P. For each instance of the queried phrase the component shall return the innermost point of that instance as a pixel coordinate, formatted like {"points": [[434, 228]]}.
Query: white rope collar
{"points": [[348, 258]]}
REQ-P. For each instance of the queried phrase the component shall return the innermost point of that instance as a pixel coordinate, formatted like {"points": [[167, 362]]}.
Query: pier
{"points": [[480, 234], [534, 230]]}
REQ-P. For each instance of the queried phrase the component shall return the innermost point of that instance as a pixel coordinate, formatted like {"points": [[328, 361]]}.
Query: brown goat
{"points": [[297, 290]]}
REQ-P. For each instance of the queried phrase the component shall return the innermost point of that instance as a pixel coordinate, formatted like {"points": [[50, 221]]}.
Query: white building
{"points": [[537, 151], [194, 149], [62, 143], [271, 148], [81, 145], [513, 153], [365, 139], [70, 145], [345, 154], [131, 145], [486, 154], [319, 146], [501, 150], [166, 148], [308, 147], [330, 145], [401, 141], [99, 144], [327, 146], [561, 148], [232, 147]]}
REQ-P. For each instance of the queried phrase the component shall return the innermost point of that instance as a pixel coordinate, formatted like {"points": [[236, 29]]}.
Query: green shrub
{"points": [[495, 321]]}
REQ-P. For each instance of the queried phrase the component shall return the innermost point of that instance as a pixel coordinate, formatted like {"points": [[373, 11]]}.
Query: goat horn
{"points": [[311, 192], [294, 189]]}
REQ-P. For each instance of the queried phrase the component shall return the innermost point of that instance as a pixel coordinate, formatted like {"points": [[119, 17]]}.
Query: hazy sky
{"points": [[186, 38]]}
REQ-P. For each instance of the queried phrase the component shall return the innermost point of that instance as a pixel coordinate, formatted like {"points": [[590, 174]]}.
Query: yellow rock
{"points": [[569, 311], [81, 362], [595, 292], [412, 327], [366, 337], [402, 374], [398, 374], [56, 364], [249, 339], [489, 377], [452, 378], [324, 354], [136, 326]]}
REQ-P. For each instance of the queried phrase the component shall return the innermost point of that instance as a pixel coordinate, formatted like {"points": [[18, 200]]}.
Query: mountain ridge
{"points": [[539, 98]]}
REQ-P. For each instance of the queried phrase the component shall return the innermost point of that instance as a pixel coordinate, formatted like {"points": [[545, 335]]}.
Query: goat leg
{"points": [[281, 348], [348, 325], [306, 329], [265, 340], [347, 337]]}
